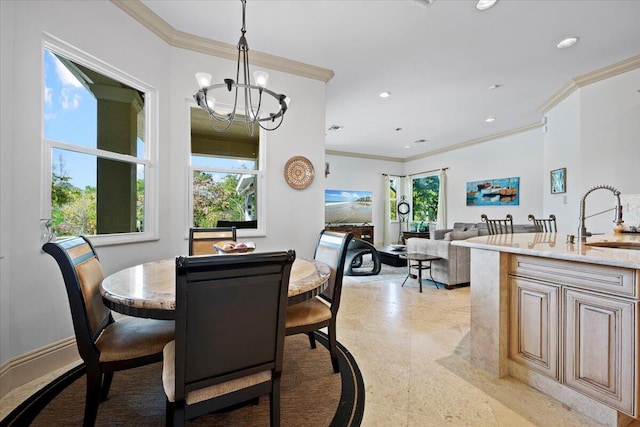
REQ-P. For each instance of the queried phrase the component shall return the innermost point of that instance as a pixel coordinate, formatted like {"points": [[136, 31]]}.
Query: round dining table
{"points": [[149, 289]]}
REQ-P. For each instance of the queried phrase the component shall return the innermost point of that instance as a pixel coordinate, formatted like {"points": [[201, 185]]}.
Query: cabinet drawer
{"points": [[618, 280]]}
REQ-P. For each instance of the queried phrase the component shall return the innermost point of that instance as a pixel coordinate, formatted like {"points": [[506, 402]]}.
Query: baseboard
{"points": [[34, 364]]}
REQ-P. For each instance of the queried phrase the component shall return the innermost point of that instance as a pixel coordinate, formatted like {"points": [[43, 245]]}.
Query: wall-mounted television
{"points": [[347, 207]]}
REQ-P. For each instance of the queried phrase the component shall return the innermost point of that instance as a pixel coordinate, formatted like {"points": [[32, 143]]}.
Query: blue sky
{"points": [[70, 115]]}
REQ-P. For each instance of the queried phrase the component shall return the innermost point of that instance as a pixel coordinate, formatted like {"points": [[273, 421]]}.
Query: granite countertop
{"points": [[553, 245]]}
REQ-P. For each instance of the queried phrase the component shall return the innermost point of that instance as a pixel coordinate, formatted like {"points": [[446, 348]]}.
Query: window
{"points": [[96, 152], [226, 175], [425, 198], [394, 182]]}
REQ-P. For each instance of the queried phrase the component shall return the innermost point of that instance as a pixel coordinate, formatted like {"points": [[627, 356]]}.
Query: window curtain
{"points": [[408, 192], [441, 222], [387, 210]]}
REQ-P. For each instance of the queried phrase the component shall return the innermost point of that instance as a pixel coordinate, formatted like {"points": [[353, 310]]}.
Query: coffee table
{"points": [[391, 256], [420, 258]]}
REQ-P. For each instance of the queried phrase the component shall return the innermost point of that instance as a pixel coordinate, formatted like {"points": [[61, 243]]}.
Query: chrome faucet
{"points": [[582, 230]]}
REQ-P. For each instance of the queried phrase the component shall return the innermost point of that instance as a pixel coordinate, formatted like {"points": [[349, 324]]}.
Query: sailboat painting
{"points": [[494, 192]]}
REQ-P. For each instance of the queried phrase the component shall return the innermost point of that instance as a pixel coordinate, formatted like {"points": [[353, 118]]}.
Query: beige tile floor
{"points": [[413, 351]]}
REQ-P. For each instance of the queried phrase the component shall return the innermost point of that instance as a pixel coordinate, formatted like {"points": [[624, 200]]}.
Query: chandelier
{"points": [[221, 121]]}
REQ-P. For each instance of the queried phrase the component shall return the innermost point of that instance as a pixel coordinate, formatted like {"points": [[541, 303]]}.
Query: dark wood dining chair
{"points": [[544, 225], [499, 226], [104, 344], [201, 240], [230, 330], [321, 311]]}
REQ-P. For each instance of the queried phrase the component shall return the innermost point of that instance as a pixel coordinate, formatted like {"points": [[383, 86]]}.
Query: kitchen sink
{"points": [[616, 245]]}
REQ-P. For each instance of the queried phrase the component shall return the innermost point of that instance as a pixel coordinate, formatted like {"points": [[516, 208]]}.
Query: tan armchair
{"points": [[105, 345], [230, 330], [201, 240], [321, 311]]}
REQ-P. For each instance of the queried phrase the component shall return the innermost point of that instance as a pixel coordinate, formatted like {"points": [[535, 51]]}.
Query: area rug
{"points": [[311, 395]]}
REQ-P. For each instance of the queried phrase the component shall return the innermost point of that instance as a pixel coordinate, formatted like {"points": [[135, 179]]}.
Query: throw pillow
{"points": [[461, 235]]}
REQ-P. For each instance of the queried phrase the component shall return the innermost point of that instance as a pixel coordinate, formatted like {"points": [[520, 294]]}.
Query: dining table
{"points": [[149, 290]]}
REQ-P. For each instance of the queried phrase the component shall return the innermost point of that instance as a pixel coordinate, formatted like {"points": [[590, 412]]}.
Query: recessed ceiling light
{"points": [[398, 129], [407, 146], [419, 141], [496, 86], [335, 128], [568, 42], [385, 94], [490, 119], [485, 4]]}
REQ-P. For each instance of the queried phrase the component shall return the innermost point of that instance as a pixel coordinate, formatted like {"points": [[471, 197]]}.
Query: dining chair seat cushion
{"points": [[311, 312], [206, 393], [132, 337]]}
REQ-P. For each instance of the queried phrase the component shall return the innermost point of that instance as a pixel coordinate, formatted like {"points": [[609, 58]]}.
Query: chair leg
{"points": [[92, 400], [274, 402], [168, 413], [333, 347], [106, 385], [178, 415], [312, 339]]}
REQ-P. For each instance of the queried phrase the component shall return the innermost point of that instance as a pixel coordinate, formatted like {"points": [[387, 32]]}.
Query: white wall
{"points": [[361, 174], [519, 155], [34, 306], [6, 136], [595, 133], [562, 150]]}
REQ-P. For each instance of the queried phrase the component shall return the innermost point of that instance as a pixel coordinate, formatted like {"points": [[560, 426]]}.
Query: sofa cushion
{"points": [[461, 235], [464, 226]]}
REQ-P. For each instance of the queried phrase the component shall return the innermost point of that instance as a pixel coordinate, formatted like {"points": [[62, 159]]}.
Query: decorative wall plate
{"points": [[298, 172]]}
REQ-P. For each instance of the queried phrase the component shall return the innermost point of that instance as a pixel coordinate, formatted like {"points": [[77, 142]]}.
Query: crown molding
{"points": [[589, 78], [363, 156], [180, 39], [477, 141], [441, 150]]}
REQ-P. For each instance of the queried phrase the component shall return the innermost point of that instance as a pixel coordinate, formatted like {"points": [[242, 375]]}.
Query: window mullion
{"points": [[105, 154]]}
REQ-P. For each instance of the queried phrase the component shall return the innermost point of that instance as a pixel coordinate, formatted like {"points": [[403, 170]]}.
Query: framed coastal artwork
{"points": [[494, 192], [559, 181]]}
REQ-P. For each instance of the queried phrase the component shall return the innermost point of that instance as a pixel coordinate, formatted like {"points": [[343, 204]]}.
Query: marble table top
{"points": [[148, 290], [554, 245]]}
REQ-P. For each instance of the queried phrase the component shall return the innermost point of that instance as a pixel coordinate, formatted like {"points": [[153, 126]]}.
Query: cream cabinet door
{"points": [[600, 351], [533, 333]]}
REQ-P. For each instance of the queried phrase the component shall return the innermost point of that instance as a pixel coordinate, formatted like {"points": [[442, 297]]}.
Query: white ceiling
{"points": [[438, 62]]}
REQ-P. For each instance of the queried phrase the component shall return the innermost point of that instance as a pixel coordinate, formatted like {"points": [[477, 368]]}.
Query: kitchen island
{"points": [[561, 317]]}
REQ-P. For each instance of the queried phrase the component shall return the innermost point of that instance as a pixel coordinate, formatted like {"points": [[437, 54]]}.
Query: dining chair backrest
{"points": [[544, 225], [230, 322], [499, 226], [82, 274], [332, 250], [201, 240]]}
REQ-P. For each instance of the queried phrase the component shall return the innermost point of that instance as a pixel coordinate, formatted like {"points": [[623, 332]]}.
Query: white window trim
{"points": [[261, 231], [151, 144]]}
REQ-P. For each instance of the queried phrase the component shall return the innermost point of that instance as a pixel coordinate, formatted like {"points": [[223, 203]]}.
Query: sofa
{"points": [[454, 267]]}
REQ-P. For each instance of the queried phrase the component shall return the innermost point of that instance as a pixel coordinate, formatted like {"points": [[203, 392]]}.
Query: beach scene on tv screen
{"points": [[350, 207]]}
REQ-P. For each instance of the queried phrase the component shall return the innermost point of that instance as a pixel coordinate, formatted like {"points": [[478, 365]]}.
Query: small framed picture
{"points": [[559, 181]]}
